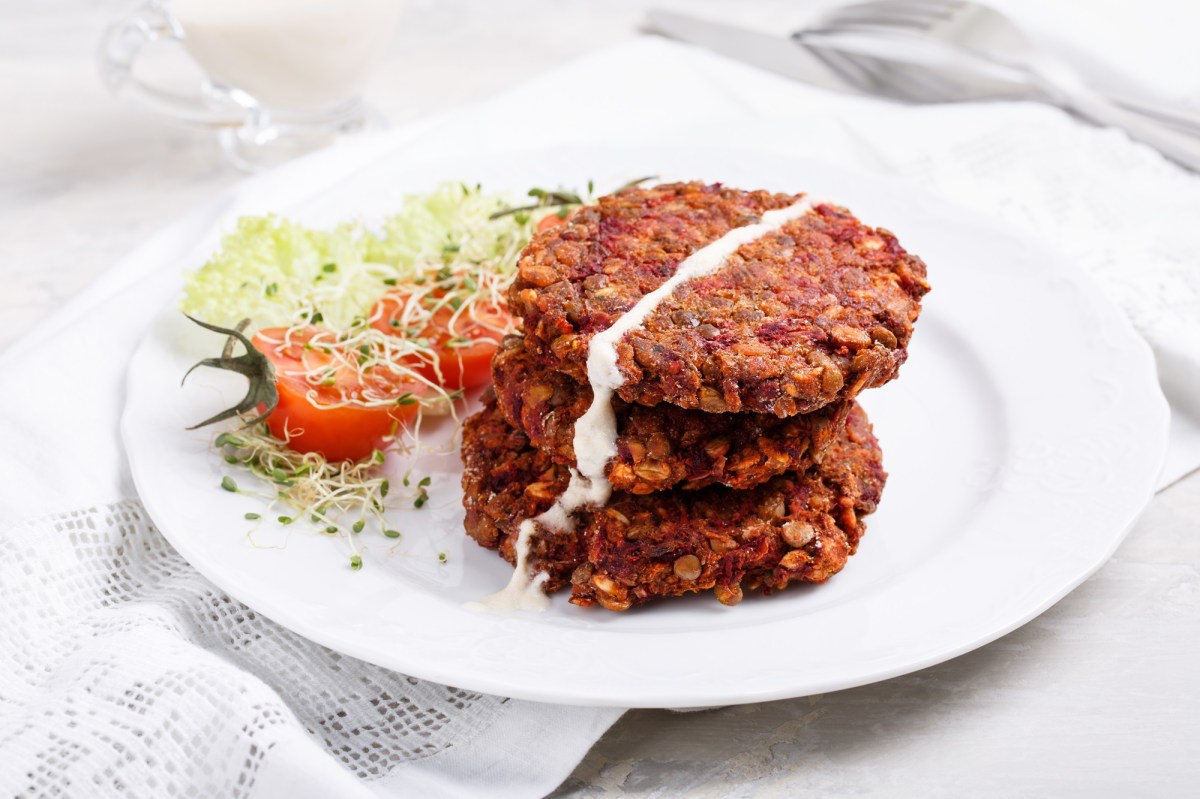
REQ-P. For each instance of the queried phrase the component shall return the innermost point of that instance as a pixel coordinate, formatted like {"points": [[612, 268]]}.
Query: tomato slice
{"points": [[322, 424], [462, 344], [553, 221]]}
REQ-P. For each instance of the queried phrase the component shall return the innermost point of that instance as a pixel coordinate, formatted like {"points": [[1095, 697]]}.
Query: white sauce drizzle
{"points": [[595, 439]]}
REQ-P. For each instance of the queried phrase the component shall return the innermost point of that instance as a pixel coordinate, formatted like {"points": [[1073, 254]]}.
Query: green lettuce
{"points": [[276, 272]]}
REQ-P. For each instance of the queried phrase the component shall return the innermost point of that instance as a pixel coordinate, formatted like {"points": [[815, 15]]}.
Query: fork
{"points": [[982, 40]]}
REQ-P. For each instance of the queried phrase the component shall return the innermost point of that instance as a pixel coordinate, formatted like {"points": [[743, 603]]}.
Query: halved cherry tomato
{"points": [[464, 352], [344, 432], [553, 221]]}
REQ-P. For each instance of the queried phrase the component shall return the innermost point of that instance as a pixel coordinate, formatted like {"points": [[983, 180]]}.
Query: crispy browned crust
{"points": [[664, 446], [505, 481], [812, 313], [794, 528]]}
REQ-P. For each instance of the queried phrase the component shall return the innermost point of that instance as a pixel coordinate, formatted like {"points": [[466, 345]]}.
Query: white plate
{"points": [[1022, 441]]}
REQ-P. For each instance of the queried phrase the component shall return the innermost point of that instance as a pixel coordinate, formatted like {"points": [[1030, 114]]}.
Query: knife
{"points": [[778, 54]]}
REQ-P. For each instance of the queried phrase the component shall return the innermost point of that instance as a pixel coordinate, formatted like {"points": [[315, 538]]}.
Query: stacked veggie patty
{"points": [[743, 462]]}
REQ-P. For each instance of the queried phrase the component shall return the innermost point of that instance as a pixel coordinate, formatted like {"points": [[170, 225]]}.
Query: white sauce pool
{"points": [[595, 438]]}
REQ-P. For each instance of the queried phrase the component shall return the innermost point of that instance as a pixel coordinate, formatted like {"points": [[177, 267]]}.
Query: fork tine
{"points": [[912, 6], [863, 72], [889, 79], [846, 67], [872, 23], [945, 5], [892, 8], [912, 83], [916, 85], [890, 13]]}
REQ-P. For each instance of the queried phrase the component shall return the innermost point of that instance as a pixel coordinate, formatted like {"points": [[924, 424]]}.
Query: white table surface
{"points": [[1100, 696]]}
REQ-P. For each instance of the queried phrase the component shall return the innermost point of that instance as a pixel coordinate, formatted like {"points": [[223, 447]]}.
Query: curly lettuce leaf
{"points": [[275, 271]]}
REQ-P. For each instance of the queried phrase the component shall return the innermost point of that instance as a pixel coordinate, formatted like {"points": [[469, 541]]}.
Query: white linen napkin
{"points": [[124, 670]]}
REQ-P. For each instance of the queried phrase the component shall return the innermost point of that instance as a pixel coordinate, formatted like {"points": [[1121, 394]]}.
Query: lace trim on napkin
{"points": [[124, 667]]}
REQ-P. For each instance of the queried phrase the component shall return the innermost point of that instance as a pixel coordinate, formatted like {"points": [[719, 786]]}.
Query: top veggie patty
{"points": [[808, 314]]}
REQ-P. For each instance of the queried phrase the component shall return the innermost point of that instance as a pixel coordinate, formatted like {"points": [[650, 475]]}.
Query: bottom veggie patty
{"points": [[797, 527]]}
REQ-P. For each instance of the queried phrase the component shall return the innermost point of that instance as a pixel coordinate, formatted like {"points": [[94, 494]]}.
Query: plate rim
{"points": [[546, 693]]}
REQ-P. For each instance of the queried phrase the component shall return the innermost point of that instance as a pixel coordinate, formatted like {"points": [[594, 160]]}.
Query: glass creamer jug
{"points": [[280, 77]]}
